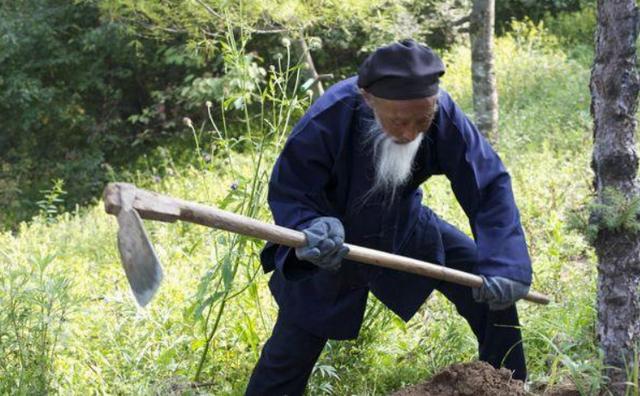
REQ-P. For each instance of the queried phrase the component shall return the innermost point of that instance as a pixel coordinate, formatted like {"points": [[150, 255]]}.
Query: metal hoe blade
{"points": [[138, 257]]}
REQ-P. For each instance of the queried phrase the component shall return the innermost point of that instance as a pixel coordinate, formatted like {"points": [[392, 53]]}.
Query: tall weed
{"points": [[35, 302], [266, 113]]}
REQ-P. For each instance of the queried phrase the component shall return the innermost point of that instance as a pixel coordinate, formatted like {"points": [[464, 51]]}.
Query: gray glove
{"points": [[499, 292], [324, 248]]}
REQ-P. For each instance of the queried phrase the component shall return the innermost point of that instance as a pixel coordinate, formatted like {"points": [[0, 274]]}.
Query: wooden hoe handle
{"points": [[154, 206]]}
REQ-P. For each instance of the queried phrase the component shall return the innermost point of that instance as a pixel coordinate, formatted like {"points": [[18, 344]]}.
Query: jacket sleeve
{"points": [[297, 188], [482, 186]]}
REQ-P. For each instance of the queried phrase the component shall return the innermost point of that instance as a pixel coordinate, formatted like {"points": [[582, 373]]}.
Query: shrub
{"points": [[35, 301]]}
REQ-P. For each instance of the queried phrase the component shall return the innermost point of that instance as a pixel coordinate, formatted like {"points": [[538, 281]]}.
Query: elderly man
{"points": [[351, 171]]}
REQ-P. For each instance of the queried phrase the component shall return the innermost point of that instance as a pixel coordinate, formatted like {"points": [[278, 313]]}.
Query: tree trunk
{"points": [[485, 94], [614, 92], [308, 68]]}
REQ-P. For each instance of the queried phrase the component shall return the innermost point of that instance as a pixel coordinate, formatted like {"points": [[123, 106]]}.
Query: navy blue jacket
{"points": [[325, 169]]}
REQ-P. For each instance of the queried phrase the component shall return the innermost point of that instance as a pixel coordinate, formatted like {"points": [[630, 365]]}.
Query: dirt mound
{"points": [[564, 389], [476, 379]]}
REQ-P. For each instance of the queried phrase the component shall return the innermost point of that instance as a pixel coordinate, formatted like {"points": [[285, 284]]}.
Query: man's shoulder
{"points": [[341, 94], [449, 111], [333, 112], [344, 88]]}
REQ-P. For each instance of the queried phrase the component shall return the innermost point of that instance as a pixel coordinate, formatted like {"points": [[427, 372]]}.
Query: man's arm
{"points": [[297, 189], [482, 186]]}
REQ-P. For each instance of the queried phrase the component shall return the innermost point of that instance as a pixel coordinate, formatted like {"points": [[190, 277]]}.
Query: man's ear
{"points": [[368, 98]]}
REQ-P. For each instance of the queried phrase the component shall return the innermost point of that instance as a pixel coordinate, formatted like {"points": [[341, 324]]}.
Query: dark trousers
{"points": [[288, 357]]}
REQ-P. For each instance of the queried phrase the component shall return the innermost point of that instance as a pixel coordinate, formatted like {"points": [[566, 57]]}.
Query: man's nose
{"points": [[408, 135]]}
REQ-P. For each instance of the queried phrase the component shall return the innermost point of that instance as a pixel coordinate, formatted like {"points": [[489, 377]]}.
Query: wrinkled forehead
{"points": [[405, 109]]}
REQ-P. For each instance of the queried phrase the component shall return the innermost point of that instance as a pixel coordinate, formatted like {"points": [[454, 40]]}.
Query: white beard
{"points": [[393, 161]]}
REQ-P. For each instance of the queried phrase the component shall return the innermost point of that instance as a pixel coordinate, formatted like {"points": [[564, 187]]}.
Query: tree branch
{"points": [[209, 9], [270, 31], [462, 20]]}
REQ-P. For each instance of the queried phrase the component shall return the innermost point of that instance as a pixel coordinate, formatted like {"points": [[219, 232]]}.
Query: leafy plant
{"points": [[278, 100], [613, 211], [52, 200], [35, 301]]}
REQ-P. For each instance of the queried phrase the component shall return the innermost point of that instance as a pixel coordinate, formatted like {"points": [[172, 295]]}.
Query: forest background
{"points": [[194, 99]]}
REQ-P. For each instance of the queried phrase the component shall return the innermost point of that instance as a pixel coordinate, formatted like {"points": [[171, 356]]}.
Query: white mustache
{"points": [[393, 161]]}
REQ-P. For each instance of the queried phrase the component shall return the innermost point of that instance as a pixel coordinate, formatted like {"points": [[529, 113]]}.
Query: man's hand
{"points": [[325, 243], [499, 292]]}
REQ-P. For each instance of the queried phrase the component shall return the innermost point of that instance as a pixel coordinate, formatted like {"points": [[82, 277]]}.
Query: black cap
{"points": [[402, 70]]}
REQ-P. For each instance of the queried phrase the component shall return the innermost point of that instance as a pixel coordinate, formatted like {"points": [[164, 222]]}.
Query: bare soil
{"points": [[480, 379], [473, 379], [564, 389]]}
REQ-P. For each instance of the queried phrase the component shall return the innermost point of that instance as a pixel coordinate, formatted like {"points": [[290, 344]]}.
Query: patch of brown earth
{"points": [[563, 389], [468, 379]]}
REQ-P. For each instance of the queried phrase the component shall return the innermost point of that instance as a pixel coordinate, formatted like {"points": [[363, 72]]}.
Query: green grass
{"points": [[98, 342]]}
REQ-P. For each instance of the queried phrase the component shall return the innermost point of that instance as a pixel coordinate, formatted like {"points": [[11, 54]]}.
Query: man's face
{"points": [[394, 137], [403, 120]]}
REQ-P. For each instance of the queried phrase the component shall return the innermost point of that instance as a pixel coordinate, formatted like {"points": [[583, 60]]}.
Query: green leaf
{"points": [[206, 303], [227, 272]]}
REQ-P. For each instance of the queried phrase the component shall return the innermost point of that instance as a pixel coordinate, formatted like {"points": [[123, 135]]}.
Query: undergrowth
{"points": [[68, 319]]}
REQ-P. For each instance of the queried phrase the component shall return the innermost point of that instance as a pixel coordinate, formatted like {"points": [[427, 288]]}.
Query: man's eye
{"points": [[398, 122]]}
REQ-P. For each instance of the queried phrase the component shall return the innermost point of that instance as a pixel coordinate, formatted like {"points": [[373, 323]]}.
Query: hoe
{"points": [[130, 205]]}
